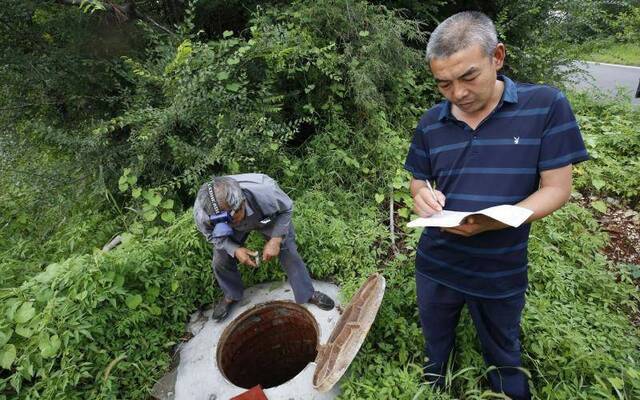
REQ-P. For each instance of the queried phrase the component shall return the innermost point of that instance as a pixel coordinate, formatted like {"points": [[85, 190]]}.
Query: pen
{"points": [[433, 193]]}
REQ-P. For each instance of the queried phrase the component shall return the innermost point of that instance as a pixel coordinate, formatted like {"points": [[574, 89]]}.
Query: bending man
{"points": [[226, 210]]}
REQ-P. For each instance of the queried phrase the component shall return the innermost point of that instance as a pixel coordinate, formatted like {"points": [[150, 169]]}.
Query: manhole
{"points": [[268, 345], [295, 352]]}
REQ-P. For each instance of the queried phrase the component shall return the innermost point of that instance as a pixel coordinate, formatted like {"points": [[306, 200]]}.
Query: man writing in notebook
{"points": [[492, 141]]}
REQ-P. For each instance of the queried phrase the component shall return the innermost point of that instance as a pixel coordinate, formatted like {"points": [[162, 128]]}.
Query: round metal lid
{"points": [[344, 343]]}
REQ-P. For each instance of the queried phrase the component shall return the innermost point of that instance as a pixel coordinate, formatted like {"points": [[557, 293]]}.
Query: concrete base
{"points": [[198, 377]]}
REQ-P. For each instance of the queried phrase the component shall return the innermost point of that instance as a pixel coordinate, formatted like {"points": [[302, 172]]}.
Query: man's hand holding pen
{"points": [[428, 201]]}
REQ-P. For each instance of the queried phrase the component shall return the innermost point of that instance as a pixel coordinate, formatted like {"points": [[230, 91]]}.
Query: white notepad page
{"points": [[507, 214]]}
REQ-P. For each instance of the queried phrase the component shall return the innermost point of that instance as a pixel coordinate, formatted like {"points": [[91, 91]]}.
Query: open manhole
{"points": [[292, 351], [268, 345]]}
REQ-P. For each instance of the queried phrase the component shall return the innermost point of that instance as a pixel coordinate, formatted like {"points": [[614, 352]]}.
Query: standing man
{"points": [[226, 210], [492, 141]]}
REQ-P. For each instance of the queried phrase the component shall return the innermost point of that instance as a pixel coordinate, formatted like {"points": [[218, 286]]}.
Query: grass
{"points": [[610, 51]]}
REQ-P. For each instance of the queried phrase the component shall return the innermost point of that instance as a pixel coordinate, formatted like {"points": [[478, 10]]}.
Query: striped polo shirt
{"points": [[532, 129]]}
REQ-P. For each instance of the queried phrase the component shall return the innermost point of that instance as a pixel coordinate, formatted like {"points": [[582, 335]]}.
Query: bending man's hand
{"points": [[475, 224], [245, 256], [271, 248]]}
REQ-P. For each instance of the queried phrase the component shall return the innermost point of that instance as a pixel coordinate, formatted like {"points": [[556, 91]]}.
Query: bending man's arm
{"points": [[283, 206], [204, 226]]}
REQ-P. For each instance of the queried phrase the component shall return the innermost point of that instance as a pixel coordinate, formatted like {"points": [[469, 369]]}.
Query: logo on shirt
{"points": [[516, 139]]}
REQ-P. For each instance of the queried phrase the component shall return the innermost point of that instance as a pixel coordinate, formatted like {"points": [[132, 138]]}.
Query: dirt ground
{"points": [[624, 231], [623, 226]]}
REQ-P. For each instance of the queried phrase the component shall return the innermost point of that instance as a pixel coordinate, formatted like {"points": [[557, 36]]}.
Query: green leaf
{"points": [[136, 192], [167, 204], [633, 373], [126, 237], [118, 281], [363, 33], [11, 306], [617, 383], [123, 187], [174, 286], [155, 199], [5, 336], [8, 356], [24, 330], [599, 205], [233, 61], [133, 301], [149, 215], [403, 212], [379, 197], [233, 87], [132, 179], [136, 228], [152, 293], [50, 273], [222, 75], [155, 310], [49, 346], [227, 34], [25, 313], [234, 166], [597, 183], [168, 216]]}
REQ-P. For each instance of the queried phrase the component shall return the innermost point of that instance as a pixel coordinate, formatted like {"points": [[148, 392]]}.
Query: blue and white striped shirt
{"points": [[532, 129]]}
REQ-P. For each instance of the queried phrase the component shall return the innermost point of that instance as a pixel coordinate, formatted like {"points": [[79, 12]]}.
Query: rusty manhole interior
{"points": [[268, 345]]}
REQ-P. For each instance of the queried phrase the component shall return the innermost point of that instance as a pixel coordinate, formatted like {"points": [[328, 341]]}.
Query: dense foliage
{"points": [[610, 130], [617, 39], [321, 95]]}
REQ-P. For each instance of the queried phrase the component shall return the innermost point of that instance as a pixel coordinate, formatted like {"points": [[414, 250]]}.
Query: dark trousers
{"points": [[497, 322], [225, 270]]}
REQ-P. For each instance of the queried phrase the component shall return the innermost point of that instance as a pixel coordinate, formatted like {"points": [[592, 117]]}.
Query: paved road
{"points": [[610, 77]]}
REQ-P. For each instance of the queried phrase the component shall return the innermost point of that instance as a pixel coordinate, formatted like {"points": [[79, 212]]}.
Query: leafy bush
{"points": [[610, 131], [244, 104], [62, 330], [50, 206], [629, 25]]}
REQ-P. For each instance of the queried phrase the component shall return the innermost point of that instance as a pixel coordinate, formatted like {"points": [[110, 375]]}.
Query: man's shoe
{"points": [[321, 300], [221, 310]]}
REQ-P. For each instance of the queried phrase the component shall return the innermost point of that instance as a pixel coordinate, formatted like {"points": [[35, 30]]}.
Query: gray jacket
{"points": [[267, 209]]}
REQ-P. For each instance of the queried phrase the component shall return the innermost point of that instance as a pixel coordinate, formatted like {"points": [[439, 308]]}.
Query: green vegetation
{"points": [[109, 129], [618, 43], [610, 131], [610, 51]]}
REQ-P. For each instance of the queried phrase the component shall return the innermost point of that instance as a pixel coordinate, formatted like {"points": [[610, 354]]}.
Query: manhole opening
{"points": [[268, 345]]}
